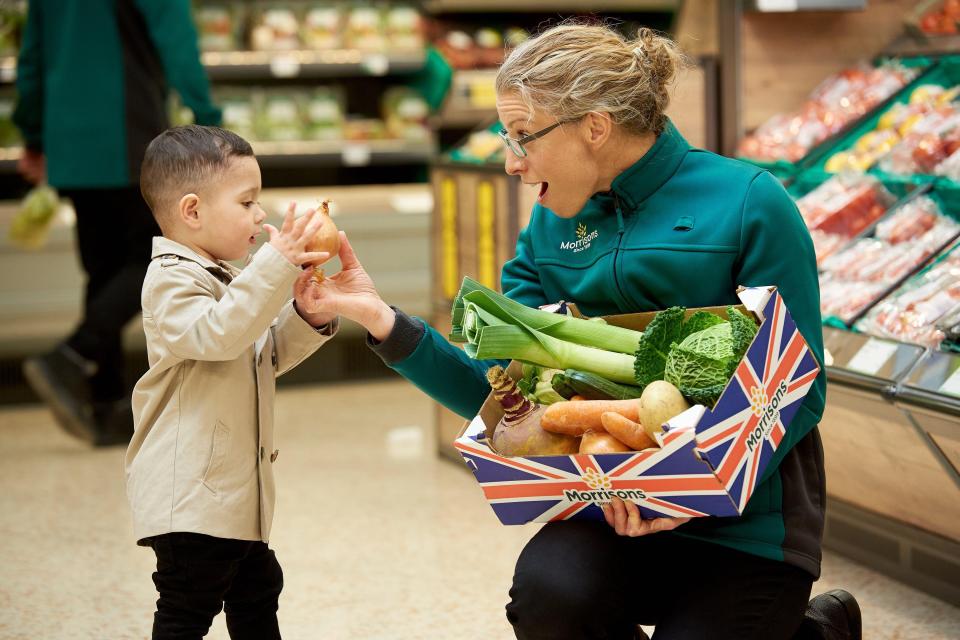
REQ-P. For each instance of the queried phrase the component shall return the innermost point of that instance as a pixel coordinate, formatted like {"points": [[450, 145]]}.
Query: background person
{"points": [[92, 80]]}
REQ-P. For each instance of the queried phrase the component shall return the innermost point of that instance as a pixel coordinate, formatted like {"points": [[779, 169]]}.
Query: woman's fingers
{"points": [[626, 520], [635, 523], [347, 257]]}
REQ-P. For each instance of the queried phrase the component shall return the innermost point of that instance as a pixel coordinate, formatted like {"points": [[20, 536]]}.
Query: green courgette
{"points": [[591, 386]]}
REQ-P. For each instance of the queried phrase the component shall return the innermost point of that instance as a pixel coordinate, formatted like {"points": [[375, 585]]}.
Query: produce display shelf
{"points": [[238, 65], [947, 208], [317, 153], [484, 6], [8, 158], [8, 69], [932, 46], [944, 74], [786, 170], [333, 63], [343, 153]]}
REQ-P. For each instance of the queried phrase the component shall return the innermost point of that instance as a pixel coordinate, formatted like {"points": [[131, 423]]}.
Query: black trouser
{"points": [[580, 580], [199, 575], [114, 234]]}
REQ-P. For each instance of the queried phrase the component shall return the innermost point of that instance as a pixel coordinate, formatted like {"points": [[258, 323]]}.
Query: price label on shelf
{"points": [[952, 384], [285, 66], [376, 64], [872, 356], [356, 155]]}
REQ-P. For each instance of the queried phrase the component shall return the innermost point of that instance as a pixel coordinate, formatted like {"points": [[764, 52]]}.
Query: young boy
{"points": [[199, 467]]}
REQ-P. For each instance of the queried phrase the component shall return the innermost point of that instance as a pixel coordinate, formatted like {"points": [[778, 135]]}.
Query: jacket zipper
{"points": [[616, 254]]}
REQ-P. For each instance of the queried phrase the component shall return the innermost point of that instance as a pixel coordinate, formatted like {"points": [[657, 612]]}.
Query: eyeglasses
{"points": [[516, 144]]}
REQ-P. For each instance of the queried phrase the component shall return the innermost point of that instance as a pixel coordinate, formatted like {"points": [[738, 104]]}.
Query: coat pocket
{"points": [[218, 454]]}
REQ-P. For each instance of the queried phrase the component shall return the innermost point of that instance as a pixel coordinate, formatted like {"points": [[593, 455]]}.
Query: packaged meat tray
{"points": [[840, 208], [832, 106], [913, 312], [855, 277]]}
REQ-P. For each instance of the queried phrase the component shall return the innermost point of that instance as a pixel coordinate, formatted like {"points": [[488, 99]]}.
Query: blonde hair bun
{"points": [[575, 68]]}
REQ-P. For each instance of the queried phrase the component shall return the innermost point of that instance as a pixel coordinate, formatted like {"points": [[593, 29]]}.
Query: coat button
{"points": [[273, 456]]}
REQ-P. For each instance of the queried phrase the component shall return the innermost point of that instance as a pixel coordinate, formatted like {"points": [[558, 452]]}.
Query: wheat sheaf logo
{"points": [[758, 400], [581, 231], [596, 481]]}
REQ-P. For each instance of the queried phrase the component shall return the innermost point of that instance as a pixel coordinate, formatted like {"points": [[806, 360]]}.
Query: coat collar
{"points": [[643, 178], [166, 247]]}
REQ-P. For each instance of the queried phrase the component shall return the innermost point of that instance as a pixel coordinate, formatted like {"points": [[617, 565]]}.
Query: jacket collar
{"points": [[166, 247], [643, 178]]}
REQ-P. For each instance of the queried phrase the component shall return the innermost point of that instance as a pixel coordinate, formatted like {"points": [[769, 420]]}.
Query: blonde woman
{"points": [[631, 218]]}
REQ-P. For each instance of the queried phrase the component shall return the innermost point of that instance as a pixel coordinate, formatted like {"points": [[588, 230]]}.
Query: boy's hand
{"points": [[291, 239], [350, 293]]}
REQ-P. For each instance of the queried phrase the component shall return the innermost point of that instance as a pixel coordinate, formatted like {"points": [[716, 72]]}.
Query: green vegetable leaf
{"points": [[699, 321], [651, 356], [707, 396], [700, 366], [742, 331]]}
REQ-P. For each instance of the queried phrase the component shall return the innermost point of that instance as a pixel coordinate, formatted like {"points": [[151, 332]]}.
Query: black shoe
{"points": [[61, 379], [113, 422], [834, 615]]}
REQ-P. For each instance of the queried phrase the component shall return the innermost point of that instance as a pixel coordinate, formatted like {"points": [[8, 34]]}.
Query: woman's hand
{"points": [[349, 293], [625, 518]]}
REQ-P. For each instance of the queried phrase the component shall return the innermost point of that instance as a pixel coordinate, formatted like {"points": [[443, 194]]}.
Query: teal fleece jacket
{"points": [[682, 226], [92, 84]]}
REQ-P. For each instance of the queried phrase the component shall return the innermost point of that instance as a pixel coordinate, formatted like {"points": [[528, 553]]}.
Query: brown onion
{"points": [[326, 239]]}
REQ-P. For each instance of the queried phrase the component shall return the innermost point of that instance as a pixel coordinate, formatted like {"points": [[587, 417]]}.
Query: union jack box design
{"points": [[710, 459]]}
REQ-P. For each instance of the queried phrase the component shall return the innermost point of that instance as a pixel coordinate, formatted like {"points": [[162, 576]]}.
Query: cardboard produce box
{"points": [[710, 458]]}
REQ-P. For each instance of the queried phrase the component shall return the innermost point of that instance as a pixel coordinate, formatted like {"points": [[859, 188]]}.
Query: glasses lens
{"points": [[512, 144]]}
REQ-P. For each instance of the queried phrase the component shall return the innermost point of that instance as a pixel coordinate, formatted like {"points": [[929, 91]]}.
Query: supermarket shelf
{"points": [[337, 153], [388, 226], [463, 117], [908, 45], [8, 158], [335, 63], [8, 69], [343, 153], [238, 65], [484, 6]]}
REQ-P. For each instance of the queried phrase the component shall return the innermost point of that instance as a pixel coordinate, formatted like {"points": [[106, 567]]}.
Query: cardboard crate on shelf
{"points": [[478, 213], [710, 459]]}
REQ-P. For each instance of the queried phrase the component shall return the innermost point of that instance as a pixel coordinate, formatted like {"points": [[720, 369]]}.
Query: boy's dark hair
{"points": [[181, 159]]}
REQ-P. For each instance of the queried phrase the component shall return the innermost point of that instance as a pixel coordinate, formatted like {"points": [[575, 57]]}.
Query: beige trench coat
{"points": [[202, 453]]}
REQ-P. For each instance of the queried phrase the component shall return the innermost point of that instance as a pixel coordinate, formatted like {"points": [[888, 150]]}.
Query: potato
{"points": [[660, 402]]}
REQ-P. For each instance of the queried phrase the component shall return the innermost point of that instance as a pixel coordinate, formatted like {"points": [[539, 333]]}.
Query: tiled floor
{"points": [[378, 538]]}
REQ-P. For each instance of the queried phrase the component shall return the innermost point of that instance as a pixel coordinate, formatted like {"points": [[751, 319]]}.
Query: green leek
{"points": [[589, 333], [493, 327]]}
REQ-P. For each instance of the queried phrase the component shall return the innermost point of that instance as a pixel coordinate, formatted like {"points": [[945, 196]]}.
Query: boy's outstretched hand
{"points": [[291, 239], [349, 293]]}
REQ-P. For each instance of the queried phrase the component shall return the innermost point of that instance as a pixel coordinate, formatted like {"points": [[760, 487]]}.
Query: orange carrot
{"points": [[626, 431], [577, 398], [573, 417], [601, 442]]}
